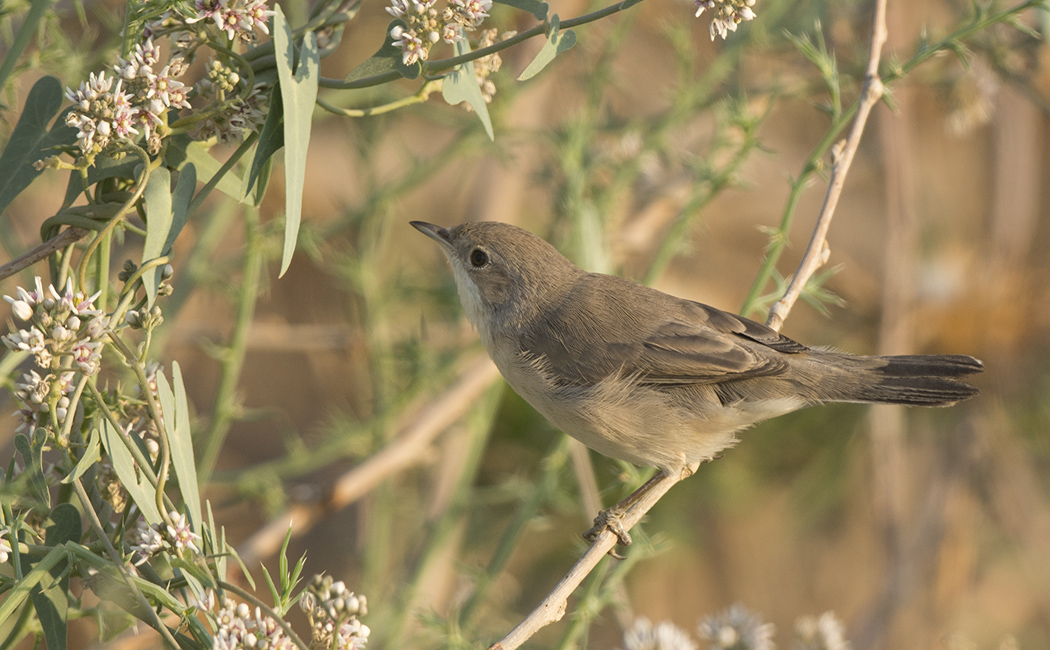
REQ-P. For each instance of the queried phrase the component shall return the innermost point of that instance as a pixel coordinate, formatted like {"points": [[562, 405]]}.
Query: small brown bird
{"points": [[643, 376]]}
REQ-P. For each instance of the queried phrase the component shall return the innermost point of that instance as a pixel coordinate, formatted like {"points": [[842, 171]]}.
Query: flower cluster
{"points": [[487, 65], [333, 612], [135, 102], [235, 17], [737, 628], [824, 632], [238, 628], [146, 541], [665, 635], [727, 14], [240, 117], [64, 332], [425, 26]]}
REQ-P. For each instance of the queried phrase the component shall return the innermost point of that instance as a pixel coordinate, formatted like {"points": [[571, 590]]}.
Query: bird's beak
{"points": [[437, 233]]}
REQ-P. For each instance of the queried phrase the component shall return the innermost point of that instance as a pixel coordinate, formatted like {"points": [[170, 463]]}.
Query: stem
{"points": [[152, 618], [233, 359], [438, 65], [418, 98]]}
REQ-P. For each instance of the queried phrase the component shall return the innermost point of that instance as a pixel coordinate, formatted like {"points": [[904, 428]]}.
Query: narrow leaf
{"points": [[557, 42], [534, 7], [298, 95], [388, 58], [158, 224], [461, 85], [271, 139], [31, 140], [142, 493], [177, 425], [180, 204], [32, 459], [183, 151], [90, 457]]}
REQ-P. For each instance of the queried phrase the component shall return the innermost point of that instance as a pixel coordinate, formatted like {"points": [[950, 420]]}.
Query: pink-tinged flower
{"points": [[180, 535], [470, 13], [257, 14], [412, 48]]}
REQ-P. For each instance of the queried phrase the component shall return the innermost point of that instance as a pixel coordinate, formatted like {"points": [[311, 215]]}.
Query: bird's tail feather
{"points": [[918, 380]]}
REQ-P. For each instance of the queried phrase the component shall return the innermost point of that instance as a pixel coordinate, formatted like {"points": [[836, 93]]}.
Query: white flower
{"points": [[739, 629], [825, 632], [665, 635]]}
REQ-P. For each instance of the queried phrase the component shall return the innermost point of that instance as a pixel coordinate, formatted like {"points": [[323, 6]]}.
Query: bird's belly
{"points": [[640, 424]]}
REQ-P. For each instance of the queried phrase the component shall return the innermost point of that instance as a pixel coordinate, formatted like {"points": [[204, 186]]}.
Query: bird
{"points": [[646, 377]]}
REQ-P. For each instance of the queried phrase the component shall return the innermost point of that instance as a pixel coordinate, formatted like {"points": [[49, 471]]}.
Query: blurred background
{"points": [[351, 397]]}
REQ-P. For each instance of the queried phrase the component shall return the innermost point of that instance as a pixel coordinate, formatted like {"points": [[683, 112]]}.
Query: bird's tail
{"points": [[916, 380]]}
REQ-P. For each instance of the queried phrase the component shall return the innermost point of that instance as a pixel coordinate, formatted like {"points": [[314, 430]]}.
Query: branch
{"points": [[553, 606], [440, 65], [817, 251], [58, 242], [408, 448]]}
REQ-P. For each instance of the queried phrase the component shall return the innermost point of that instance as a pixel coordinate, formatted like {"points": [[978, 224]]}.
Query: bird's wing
{"points": [[619, 327], [704, 345]]}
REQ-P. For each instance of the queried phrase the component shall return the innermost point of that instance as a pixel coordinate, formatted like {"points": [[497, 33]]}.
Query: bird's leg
{"points": [[610, 517]]}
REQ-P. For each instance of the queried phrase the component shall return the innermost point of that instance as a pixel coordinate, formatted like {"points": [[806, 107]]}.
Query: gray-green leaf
{"points": [[557, 42], [31, 140], [298, 95], [461, 85], [142, 493]]}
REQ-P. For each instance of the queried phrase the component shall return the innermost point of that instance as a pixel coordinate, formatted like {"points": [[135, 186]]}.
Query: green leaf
{"points": [[180, 205], [89, 458], [271, 139], [31, 140], [176, 411], [50, 600], [534, 7], [183, 151], [388, 58], [157, 198], [461, 85], [298, 95], [33, 460], [142, 493], [104, 167], [557, 42], [31, 580]]}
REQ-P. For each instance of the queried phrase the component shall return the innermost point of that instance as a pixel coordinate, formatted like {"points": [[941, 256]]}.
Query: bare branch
{"points": [[406, 449], [60, 241], [841, 159]]}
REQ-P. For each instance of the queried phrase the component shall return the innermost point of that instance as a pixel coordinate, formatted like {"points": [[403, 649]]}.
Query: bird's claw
{"points": [[609, 520]]}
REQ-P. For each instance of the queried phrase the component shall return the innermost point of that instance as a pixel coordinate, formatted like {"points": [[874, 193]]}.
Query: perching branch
{"points": [[553, 606], [841, 158]]}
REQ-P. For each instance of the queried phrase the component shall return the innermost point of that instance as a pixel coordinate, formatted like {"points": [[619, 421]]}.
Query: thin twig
{"points": [[58, 242], [553, 606], [406, 449], [842, 157]]}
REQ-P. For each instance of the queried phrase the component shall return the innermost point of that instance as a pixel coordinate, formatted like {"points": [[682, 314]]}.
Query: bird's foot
{"points": [[610, 519]]}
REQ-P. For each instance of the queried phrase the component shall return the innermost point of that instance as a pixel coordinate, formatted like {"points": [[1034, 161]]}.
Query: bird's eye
{"points": [[478, 258]]}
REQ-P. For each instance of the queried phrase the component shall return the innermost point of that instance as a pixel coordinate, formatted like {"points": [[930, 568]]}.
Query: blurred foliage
{"points": [[650, 152]]}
